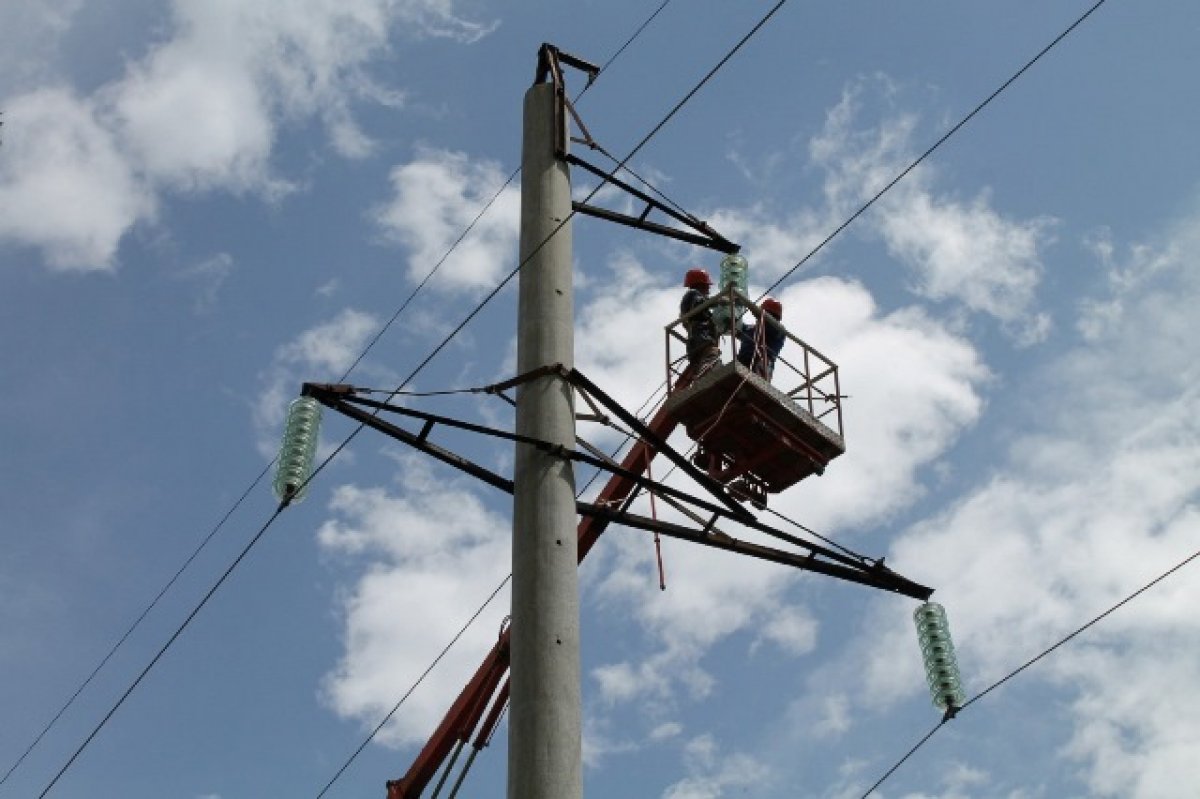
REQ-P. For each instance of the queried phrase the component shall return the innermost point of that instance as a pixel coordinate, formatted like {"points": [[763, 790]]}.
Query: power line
{"points": [[501, 285], [136, 623], [986, 101], [1070, 636], [904, 759], [179, 631], [254, 483], [420, 367], [340, 447], [95, 731], [462, 630]]}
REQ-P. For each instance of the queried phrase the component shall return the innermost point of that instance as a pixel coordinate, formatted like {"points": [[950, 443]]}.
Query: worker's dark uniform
{"points": [[758, 353], [702, 333]]}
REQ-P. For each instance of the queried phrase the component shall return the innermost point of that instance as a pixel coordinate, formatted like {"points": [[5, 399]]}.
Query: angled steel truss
{"points": [[695, 231], [814, 557]]}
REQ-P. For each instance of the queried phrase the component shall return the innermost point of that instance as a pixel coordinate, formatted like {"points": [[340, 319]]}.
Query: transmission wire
{"points": [[478, 612], [1070, 636], [420, 367], [862, 209], [136, 623], [462, 630], [245, 551], [340, 447], [374, 340]]}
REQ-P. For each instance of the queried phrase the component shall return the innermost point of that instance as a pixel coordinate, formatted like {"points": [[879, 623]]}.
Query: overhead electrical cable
{"points": [[136, 623], [1036, 658], [902, 175], [258, 479], [487, 298], [986, 101], [96, 730], [383, 722]]}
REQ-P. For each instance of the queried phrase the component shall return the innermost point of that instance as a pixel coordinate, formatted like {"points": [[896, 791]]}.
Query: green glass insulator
{"points": [[734, 272], [299, 449], [937, 650]]}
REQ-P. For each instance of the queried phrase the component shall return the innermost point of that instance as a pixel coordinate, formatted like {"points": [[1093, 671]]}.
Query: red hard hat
{"points": [[695, 278], [773, 306]]}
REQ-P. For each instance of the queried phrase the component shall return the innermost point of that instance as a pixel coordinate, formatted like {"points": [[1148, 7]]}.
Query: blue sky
{"points": [[204, 204]]}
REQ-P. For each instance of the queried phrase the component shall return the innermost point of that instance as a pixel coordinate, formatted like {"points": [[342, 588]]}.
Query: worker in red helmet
{"points": [[702, 350], [759, 344]]}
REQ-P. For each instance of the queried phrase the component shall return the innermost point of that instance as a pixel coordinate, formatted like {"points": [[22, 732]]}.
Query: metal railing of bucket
{"points": [[802, 372]]}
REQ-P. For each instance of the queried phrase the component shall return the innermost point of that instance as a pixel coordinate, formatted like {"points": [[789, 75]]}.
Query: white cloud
{"points": [[961, 250], [332, 346], [793, 629], [429, 572], [319, 354], [714, 775], [439, 18], [30, 31], [436, 196], [1099, 495], [208, 276], [201, 111], [914, 388], [666, 730], [774, 244], [65, 186], [835, 716]]}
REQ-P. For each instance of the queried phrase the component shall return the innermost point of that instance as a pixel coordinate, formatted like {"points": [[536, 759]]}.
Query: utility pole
{"points": [[540, 649], [544, 750]]}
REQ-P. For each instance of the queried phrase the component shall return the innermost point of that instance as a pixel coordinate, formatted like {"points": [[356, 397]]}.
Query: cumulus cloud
{"points": [[954, 249], [714, 774], [1099, 495], [325, 350], [428, 572], [963, 250], [436, 196], [65, 185], [201, 111], [914, 386], [208, 276]]}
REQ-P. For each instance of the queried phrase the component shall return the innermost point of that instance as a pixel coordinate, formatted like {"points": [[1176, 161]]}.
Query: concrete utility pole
{"points": [[544, 750]]}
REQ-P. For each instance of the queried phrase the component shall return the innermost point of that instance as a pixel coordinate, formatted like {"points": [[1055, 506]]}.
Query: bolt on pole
{"points": [[544, 751]]}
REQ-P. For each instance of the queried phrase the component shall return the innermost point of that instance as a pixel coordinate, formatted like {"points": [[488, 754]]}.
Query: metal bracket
{"points": [[549, 69], [703, 235], [344, 400], [550, 65]]}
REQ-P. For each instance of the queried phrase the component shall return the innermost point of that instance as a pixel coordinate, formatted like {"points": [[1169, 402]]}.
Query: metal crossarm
{"points": [[836, 564], [704, 235], [874, 576], [658, 443]]}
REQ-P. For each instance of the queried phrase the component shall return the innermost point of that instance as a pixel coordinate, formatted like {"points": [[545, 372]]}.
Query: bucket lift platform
{"points": [[752, 435], [748, 428]]}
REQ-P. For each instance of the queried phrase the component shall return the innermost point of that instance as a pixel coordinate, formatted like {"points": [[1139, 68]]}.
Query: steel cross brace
{"points": [[614, 500], [341, 399], [704, 236]]}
